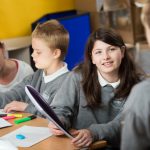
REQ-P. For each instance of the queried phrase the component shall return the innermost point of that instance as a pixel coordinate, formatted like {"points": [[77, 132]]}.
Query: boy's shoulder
{"points": [[62, 76], [74, 76]]}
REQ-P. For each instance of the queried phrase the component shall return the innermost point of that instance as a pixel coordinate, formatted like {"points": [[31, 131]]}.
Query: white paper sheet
{"points": [[2, 111], [4, 123], [6, 145], [32, 135]]}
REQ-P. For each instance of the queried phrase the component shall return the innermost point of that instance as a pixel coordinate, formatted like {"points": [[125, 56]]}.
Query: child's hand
{"points": [[83, 138], [15, 106], [54, 129]]}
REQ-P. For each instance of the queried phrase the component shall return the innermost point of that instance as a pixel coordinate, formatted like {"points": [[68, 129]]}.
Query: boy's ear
{"points": [[57, 53]]}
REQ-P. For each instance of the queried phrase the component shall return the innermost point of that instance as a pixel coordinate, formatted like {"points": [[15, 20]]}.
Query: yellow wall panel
{"points": [[16, 16]]}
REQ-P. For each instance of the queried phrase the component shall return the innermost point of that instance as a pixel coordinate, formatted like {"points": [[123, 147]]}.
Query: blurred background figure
{"points": [[143, 50], [145, 18], [12, 71], [136, 129]]}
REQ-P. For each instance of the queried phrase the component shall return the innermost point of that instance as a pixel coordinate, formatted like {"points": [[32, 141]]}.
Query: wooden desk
{"points": [[51, 143]]}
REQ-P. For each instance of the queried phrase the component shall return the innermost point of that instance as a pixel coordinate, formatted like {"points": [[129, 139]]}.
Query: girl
{"points": [[92, 96]]}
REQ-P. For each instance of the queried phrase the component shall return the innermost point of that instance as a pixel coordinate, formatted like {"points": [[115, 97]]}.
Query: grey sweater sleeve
{"points": [[65, 101], [136, 129], [17, 93], [109, 131]]}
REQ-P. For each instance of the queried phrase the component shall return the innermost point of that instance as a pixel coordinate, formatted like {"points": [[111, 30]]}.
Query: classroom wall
{"points": [[16, 16]]}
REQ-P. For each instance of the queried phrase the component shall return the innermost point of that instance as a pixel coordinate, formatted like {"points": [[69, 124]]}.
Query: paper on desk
{"points": [[2, 111], [32, 135], [4, 123]]}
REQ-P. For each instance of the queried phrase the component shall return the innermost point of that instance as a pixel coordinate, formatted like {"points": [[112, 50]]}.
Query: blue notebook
{"points": [[45, 109]]}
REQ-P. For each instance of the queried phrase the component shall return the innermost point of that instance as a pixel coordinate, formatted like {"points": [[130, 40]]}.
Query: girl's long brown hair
{"points": [[127, 72]]}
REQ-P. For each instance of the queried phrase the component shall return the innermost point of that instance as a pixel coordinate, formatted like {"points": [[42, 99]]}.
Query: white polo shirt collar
{"points": [[104, 82], [56, 74]]}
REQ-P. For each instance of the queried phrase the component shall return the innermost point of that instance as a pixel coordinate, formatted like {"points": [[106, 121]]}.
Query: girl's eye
{"points": [[112, 49], [98, 52]]}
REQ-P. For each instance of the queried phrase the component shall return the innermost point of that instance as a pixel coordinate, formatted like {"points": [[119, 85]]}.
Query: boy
{"points": [[145, 18], [49, 42]]}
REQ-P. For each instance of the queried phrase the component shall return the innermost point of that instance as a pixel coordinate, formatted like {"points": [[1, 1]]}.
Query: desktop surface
{"points": [[53, 142]]}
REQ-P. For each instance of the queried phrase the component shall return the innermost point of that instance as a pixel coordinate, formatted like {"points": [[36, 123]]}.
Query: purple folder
{"points": [[45, 109]]}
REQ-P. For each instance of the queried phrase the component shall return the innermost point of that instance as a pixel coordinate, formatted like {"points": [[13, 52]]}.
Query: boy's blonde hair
{"points": [[54, 34]]}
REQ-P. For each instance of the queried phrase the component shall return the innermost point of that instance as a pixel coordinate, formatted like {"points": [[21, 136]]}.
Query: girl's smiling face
{"points": [[107, 58]]}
